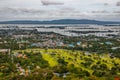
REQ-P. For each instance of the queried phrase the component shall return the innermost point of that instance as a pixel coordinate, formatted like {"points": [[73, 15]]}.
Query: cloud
{"points": [[118, 3], [51, 2], [116, 11], [12, 10], [106, 4], [57, 9], [100, 11]]}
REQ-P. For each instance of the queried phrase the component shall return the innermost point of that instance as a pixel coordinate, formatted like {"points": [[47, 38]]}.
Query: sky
{"points": [[107, 10]]}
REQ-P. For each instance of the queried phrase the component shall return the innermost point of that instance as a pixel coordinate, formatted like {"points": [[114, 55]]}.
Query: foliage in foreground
{"points": [[58, 64]]}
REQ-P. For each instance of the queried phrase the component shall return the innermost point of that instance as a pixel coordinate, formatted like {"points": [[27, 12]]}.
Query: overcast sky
{"points": [[59, 9]]}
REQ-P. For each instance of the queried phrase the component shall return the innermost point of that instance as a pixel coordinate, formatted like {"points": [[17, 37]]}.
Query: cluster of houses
{"points": [[69, 30], [21, 71], [24, 72], [49, 43], [53, 43]]}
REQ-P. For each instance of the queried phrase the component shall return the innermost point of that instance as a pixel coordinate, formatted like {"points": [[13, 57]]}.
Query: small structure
{"points": [[108, 43], [78, 43], [84, 45], [5, 51], [71, 45], [117, 78]]}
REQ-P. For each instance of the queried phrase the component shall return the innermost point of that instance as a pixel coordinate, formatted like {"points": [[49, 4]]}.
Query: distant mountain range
{"points": [[61, 21]]}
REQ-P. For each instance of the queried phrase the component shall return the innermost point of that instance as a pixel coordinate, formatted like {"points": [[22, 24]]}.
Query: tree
{"points": [[62, 61]]}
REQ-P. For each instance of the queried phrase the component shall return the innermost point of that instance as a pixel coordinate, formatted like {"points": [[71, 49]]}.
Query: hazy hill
{"points": [[62, 21]]}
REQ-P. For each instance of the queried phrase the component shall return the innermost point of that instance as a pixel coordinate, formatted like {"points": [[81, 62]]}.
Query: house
{"points": [[108, 43], [78, 43], [5, 51], [117, 78], [84, 45]]}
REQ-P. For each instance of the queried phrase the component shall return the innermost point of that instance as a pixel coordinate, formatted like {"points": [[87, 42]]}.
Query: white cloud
{"points": [[51, 2]]}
